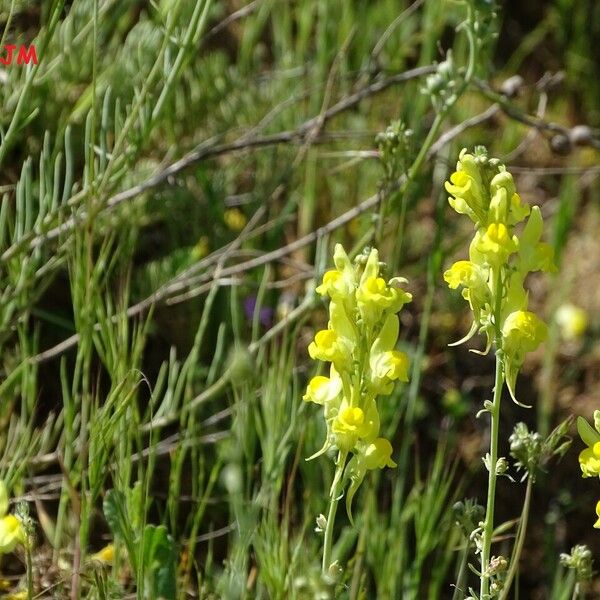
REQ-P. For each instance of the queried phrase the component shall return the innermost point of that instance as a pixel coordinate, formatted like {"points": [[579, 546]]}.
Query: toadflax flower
{"points": [[11, 528], [492, 280], [589, 459], [359, 343]]}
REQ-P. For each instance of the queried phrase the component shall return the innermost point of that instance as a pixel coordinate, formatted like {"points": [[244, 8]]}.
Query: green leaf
{"points": [[116, 515], [586, 432], [158, 563]]}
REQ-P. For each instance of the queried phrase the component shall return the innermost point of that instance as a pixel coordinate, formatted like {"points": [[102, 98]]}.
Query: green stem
{"points": [[516, 555], [488, 528], [29, 571], [334, 499]]}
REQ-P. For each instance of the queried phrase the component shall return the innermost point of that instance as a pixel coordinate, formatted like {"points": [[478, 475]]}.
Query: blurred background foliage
{"points": [[155, 314]]}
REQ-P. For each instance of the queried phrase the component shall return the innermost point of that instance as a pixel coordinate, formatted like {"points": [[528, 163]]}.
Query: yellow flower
{"points": [[496, 244], [350, 419], [321, 389], [105, 555], [522, 332], [572, 320], [340, 283], [597, 523], [335, 285], [391, 365], [11, 533], [589, 460], [468, 194], [329, 346], [348, 426], [235, 219], [375, 455], [11, 529], [378, 454], [200, 250]]}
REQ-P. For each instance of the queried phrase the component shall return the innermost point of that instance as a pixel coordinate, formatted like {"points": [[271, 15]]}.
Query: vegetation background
{"points": [[173, 177]]}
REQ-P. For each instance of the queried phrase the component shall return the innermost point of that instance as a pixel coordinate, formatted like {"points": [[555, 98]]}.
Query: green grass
{"points": [[154, 359]]}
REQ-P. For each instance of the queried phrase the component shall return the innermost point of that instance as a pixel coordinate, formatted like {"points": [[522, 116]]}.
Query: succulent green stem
{"points": [[334, 498], [488, 527], [516, 555]]}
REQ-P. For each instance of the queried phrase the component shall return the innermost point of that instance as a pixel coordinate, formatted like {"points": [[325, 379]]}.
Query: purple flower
{"points": [[265, 315]]}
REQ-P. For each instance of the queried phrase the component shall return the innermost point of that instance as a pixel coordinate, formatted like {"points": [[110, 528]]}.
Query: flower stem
{"points": [[334, 499], [29, 570], [516, 555], [488, 528]]}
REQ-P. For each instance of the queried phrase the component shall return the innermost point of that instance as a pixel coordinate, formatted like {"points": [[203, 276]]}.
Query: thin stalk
{"points": [[334, 499], [516, 555], [488, 528], [29, 571], [462, 571]]}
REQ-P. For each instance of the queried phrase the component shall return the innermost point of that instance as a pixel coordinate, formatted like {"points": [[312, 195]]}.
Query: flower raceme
{"points": [[492, 280], [359, 342]]}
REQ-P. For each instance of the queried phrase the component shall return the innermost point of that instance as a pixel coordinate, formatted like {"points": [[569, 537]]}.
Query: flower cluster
{"points": [[499, 259], [12, 531], [589, 459], [359, 343]]}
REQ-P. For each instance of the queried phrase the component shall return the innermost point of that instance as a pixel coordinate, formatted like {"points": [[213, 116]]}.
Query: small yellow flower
{"points": [[235, 219], [200, 250], [597, 523], [496, 244], [468, 195], [522, 332], [321, 389], [336, 284], [105, 555], [11, 529], [392, 365], [572, 320], [378, 454], [351, 418], [589, 461], [328, 346]]}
